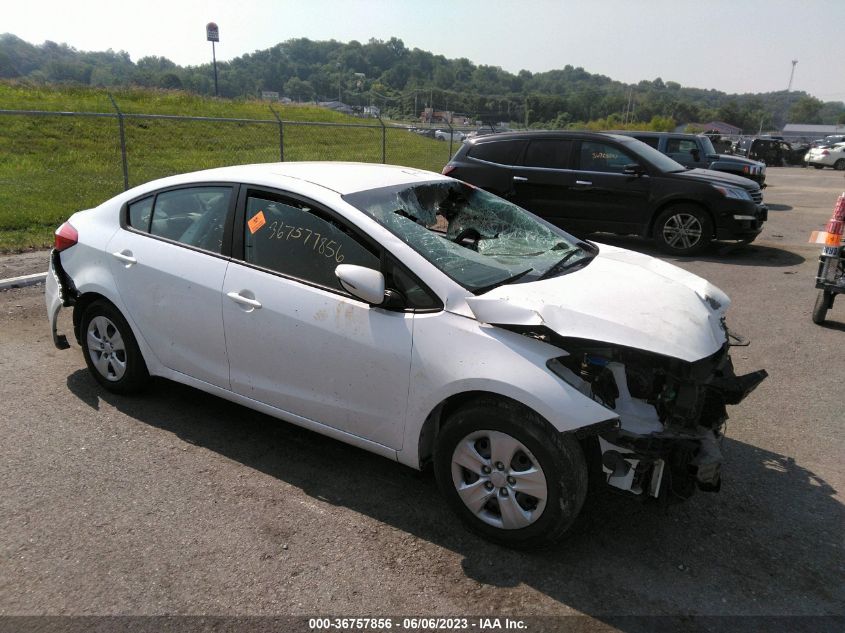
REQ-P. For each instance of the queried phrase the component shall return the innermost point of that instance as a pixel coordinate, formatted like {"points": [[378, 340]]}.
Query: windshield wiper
{"points": [[560, 265], [508, 280]]}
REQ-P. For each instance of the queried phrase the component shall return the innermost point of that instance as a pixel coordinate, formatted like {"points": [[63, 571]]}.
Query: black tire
{"points": [[821, 307], [558, 458], [110, 349], [839, 165], [683, 229]]}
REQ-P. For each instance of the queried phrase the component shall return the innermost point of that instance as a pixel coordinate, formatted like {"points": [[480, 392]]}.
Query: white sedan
{"points": [[826, 156], [417, 317], [446, 135]]}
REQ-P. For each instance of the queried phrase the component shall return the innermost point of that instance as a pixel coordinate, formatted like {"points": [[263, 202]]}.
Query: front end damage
{"points": [[672, 413]]}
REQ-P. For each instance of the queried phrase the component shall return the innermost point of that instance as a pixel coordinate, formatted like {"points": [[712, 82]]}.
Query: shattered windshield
{"points": [[479, 240]]}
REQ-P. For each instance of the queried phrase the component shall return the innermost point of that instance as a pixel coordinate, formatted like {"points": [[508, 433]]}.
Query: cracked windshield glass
{"points": [[477, 239]]}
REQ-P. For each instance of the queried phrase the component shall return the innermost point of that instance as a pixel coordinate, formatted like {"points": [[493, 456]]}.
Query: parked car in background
{"points": [[770, 151], [417, 317], [821, 157], [454, 135], [588, 182], [697, 151]]}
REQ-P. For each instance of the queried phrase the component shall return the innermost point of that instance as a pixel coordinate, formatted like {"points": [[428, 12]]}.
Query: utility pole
{"points": [[791, 75], [212, 34]]}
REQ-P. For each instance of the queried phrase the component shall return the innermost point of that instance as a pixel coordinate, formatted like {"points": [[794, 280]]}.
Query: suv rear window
{"points": [[501, 152], [549, 153]]}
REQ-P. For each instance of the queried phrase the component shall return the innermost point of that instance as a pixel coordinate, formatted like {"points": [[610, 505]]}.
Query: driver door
{"points": [[296, 340]]}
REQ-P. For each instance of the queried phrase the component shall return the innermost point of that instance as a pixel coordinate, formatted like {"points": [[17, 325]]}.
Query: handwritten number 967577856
{"points": [[318, 244]]}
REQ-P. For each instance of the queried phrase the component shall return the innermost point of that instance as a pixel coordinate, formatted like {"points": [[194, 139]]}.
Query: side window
{"points": [[292, 239], [140, 213], [194, 216], [500, 152], [598, 156], [549, 153]]}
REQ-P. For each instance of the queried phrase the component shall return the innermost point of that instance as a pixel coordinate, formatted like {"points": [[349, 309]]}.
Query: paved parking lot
{"points": [[180, 503]]}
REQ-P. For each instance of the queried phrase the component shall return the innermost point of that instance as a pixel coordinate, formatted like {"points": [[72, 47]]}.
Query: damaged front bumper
{"points": [[672, 414]]}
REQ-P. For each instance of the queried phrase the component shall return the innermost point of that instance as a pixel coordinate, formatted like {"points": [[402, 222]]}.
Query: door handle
{"points": [[583, 183], [126, 257], [239, 298], [520, 179]]}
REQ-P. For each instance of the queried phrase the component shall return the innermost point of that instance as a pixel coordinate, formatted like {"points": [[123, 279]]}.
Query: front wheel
{"points": [[509, 475], [821, 307], [110, 349], [683, 230], [839, 165]]}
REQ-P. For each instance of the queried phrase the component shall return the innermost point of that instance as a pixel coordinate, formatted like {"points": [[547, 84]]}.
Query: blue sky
{"points": [[729, 45]]}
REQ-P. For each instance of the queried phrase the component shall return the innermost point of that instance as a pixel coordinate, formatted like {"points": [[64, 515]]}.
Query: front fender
{"points": [[489, 359]]}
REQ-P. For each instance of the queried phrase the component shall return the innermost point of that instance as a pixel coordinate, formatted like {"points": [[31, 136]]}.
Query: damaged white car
{"points": [[417, 317]]}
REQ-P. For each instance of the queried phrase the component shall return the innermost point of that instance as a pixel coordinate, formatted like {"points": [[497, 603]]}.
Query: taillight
{"points": [[66, 236], [825, 153], [448, 169]]}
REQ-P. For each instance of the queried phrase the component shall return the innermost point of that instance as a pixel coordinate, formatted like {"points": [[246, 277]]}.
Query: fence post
{"points": [[451, 133], [122, 143], [281, 135], [383, 140]]}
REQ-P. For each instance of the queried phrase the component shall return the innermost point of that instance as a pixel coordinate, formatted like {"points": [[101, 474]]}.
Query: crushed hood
{"points": [[622, 298]]}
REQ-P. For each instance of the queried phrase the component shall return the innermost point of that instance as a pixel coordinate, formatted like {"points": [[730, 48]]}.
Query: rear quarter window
{"points": [[501, 152]]}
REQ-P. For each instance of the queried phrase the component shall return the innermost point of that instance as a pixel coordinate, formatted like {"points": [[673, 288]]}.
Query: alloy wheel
{"points": [[682, 231]]}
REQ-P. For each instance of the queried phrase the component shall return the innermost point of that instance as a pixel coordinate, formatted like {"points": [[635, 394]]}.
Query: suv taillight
{"points": [[448, 169], [66, 236]]}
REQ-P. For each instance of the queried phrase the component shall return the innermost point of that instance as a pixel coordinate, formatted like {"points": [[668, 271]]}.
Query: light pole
{"points": [[791, 75], [212, 34]]}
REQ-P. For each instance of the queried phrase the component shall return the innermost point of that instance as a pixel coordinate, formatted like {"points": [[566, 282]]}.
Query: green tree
{"points": [[806, 110]]}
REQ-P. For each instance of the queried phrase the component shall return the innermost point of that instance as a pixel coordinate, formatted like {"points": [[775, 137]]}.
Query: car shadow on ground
{"points": [[779, 207], [728, 253], [769, 544]]}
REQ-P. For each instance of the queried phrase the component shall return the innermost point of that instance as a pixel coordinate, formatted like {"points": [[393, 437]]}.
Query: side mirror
{"points": [[364, 283], [633, 170]]}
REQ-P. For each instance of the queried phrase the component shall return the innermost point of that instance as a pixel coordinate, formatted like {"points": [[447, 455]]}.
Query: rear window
{"points": [[501, 152]]}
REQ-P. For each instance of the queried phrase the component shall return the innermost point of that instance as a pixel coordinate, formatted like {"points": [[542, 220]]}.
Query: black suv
{"points": [[587, 182]]}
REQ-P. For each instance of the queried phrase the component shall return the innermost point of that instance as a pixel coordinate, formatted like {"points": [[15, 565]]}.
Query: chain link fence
{"points": [[54, 163]]}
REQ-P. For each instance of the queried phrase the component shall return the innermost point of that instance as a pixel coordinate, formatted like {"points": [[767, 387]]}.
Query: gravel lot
{"points": [[180, 503]]}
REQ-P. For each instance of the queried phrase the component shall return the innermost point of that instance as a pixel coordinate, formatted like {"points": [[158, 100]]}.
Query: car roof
{"points": [[340, 177], [502, 136]]}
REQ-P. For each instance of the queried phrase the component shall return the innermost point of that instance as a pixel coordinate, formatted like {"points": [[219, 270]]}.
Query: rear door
{"points": [[602, 197], [543, 180], [168, 260]]}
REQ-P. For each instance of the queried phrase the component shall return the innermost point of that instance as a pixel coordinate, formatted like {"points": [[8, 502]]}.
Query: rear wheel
{"points": [[110, 349], [509, 475], [683, 229], [821, 307]]}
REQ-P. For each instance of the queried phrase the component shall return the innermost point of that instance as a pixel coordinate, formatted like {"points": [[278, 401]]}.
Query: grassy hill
{"points": [[51, 166]]}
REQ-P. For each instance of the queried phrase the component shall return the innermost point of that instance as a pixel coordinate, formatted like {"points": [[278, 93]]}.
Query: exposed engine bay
{"points": [[672, 413]]}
